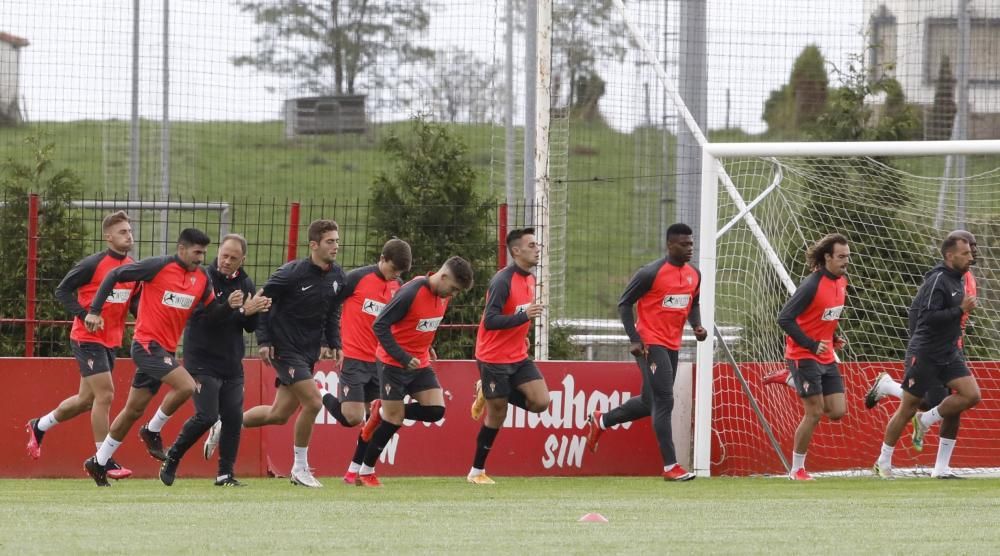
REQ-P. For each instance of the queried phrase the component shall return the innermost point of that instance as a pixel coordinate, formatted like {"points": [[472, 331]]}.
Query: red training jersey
{"points": [[811, 315], [503, 330], [76, 292], [666, 294], [407, 325], [365, 294], [170, 293]]}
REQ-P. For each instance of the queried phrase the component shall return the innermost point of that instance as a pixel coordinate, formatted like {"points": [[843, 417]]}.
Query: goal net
{"points": [[895, 210]]}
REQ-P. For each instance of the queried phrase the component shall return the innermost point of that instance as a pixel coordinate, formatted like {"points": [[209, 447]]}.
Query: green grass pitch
{"points": [[516, 516]]}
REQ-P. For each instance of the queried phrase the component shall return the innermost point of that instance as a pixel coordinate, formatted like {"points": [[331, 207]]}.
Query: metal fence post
{"points": [[31, 277], [293, 231]]}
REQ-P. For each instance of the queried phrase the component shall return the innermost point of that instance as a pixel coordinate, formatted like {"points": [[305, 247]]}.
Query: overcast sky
{"points": [[78, 64]]}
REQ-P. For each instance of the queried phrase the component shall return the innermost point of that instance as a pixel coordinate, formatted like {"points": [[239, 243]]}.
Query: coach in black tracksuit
{"points": [[213, 354]]}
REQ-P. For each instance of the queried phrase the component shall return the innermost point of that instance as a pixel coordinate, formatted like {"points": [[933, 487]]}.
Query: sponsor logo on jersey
{"points": [[676, 300], [372, 307], [119, 295], [428, 325], [177, 300], [832, 313]]}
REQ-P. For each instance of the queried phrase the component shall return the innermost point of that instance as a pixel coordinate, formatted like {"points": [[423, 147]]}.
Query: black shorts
{"points": [[813, 378], [395, 382], [923, 375], [291, 367], [358, 381], [499, 378], [152, 363], [93, 358]]}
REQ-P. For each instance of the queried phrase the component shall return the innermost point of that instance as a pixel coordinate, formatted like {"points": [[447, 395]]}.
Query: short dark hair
{"points": [[679, 229], [817, 252], [397, 252], [319, 228], [193, 236], [461, 271], [114, 218], [515, 235], [950, 243], [237, 238], [964, 234]]}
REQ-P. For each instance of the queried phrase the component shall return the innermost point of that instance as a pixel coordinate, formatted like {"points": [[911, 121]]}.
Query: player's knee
{"points": [[312, 405], [102, 399], [973, 399], [538, 405], [434, 413], [836, 414]]}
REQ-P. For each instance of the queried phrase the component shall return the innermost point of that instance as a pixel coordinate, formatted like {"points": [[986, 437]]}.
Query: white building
{"points": [[908, 38], [10, 72]]}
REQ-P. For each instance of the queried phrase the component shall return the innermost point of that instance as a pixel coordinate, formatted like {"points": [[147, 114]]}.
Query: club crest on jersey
{"points": [[690, 280], [177, 300], [388, 388], [832, 313], [493, 386], [119, 295], [346, 390], [676, 300], [193, 279], [805, 386], [90, 363], [336, 286], [652, 367], [429, 325], [372, 307], [167, 360]]}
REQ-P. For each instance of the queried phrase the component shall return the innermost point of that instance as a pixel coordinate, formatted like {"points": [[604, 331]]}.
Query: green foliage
{"points": [[943, 110], [795, 106], [61, 244], [356, 42], [808, 86], [428, 198]]}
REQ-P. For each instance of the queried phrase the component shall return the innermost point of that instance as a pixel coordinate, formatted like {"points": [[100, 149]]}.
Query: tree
{"points": [[61, 245], [456, 89], [794, 107], [575, 26], [943, 110], [336, 46], [427, 197]]}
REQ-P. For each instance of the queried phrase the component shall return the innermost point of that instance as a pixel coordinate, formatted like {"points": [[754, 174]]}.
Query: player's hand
{"points": [[434, 355], [256, 304], [236, 299], [839, 342], [94, 322], [637, 349], [969, 303], [535, 310], [700, 333], [822, 348], [413, 364], [266, 354]]}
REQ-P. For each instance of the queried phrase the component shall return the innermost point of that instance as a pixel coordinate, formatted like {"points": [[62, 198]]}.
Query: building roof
{"points": [[16, 42]]}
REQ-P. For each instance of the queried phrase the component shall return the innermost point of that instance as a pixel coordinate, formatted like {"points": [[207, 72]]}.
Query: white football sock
{"points": [[885, 458], [353, 467], [156, 423], [107, 449], [301, 458], [943, 461], [365, 470], [890, 387], [475, 472], [47, 422], [928, 418], [798, 461]]}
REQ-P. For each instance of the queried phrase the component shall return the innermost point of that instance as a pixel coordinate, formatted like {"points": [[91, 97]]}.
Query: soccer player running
{"points": [[405, 330], [666, 295], [299, 329], [506, 372], [809, 319], [933, 354], [884, 385], [94, 351], [213, 354], [173, 286], [365, 293]]}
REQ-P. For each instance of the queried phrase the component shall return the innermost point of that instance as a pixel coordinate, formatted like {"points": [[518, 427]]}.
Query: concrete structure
{"points": [[908, 38], [10, 74]]}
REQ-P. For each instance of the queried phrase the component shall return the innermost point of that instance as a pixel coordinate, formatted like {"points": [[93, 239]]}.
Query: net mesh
{"points": [[887, 208]]}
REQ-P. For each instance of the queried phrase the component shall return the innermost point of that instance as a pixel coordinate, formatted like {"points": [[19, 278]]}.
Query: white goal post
{"points": [[776, 160]]}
